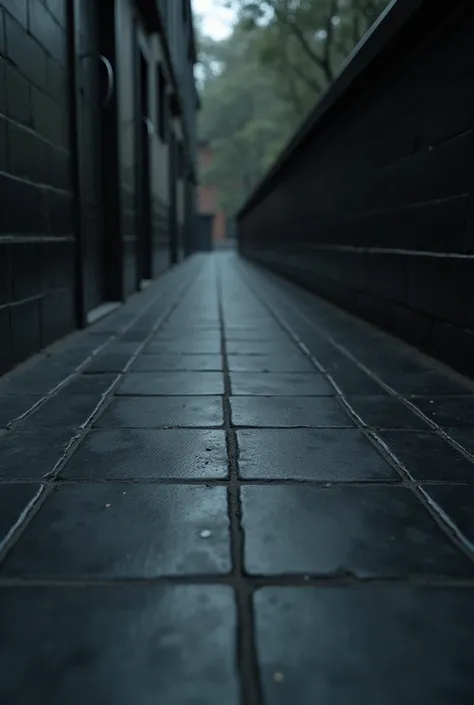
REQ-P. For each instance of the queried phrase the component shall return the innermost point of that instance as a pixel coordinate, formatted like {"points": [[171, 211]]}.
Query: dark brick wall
{"points": [[374, 211], [36, 234]]}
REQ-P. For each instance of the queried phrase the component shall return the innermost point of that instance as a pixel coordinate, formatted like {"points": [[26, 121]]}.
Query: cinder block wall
{"points": [[36, 233], [374, 210]]}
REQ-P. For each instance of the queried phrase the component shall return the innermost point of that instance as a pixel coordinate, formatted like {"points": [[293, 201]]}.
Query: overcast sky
{"points": [[217, 20]]}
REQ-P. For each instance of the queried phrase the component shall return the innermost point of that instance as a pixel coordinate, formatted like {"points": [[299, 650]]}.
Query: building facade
{"points": [[97, 159]]}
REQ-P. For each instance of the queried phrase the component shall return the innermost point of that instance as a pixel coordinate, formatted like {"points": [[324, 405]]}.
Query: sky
{"points": [[217, 20]]}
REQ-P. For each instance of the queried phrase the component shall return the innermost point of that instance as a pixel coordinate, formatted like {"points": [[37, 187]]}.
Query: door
{"points": [[144, 131], [204, 233], [92, 87]]}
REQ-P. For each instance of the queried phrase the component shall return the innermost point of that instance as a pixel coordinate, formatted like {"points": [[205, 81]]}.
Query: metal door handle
{"points": [[149, 125], [110, 79], [110, 75]]}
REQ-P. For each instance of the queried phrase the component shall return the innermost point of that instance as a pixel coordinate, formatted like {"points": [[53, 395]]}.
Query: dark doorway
{"points": [[204, 233], [142, 175], [92, 93]]}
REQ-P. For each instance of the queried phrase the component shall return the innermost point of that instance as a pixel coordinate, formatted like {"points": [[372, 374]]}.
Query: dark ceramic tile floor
{"points": [[202, 514]]}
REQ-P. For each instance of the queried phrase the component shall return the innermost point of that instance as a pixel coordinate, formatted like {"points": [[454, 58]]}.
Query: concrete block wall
{"points": [[375, 209], [36, 231]]}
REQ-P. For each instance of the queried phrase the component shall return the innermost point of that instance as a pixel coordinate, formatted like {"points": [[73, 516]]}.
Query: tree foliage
{"points": [[260, 83]]}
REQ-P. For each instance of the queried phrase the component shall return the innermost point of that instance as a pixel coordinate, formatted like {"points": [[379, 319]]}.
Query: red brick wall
{"points": [[208, 197]]}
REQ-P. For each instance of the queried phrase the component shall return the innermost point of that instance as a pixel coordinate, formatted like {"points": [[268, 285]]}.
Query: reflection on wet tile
{"points": [[364, 531]]}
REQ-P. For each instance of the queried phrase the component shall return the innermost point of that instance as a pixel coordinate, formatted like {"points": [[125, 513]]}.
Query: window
{"points": [[161, 108]]}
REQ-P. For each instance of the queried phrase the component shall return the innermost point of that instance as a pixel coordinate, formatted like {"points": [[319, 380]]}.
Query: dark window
{"points": [[162, 107], [184, 4]]}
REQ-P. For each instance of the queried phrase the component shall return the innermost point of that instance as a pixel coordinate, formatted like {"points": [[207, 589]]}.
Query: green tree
{"points": [[258, 85], [242, 116]]}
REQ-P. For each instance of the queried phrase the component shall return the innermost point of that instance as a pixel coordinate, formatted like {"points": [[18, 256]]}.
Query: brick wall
{"points": [[374, 210], [36, 234], [208, 198]]}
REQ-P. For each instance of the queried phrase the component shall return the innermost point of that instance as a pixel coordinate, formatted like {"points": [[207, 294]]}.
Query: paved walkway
{"points": [[231, 492]]}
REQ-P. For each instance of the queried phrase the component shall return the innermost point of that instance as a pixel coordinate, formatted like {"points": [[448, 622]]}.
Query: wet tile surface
{"points": [[65, 409], [75, 533], [142, 412], [311, 454], [256, 347], [312, 412], [449, 412], [159, 363], [385, 413], [31, 453], [174, 383], [13, 406], [279, 384], [270, 363], [108, 362], [427, 456], [145, 454], [222, 458], [13, 501], [124, 644], [458, 503], [376, 644], [427, 384], [363, 531], [172, 347]]}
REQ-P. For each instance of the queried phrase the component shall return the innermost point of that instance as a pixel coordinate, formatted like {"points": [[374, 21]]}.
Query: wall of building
{"points": [[36, 229], [39, 227], [374, 208]]}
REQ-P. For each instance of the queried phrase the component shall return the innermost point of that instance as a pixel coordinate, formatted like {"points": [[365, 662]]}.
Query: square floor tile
{"points": [[160, 363], [352, 380], [270, 363], [464, 437], [31, 453], [118, 645], [258, 333], [171, 383], [280, 384], [448, 412], [137, 454], [457, 501], [125, 530], [108, 362], [374, 644], [386, 412], [147, 412], [426, 383], [342, 455], [65, 410], [187, 337], [15, 405], [427, 456], [364, 531], [172, 347], [309, 412], [255, 347], [13, 501], [90, 384]]}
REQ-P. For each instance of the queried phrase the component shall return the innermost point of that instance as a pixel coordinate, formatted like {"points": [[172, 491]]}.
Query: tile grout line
{"points": [[442, 519], [255, 581], [16, 531], [247, 659]]}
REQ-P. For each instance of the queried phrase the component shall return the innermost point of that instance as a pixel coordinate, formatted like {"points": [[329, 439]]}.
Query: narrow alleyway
{"points": [[229, 491]]}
